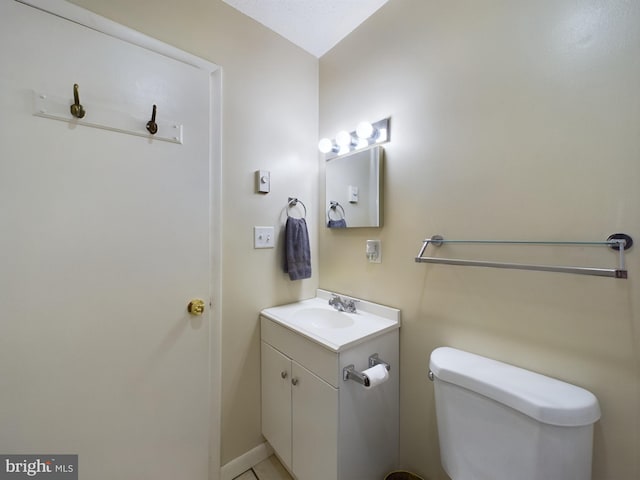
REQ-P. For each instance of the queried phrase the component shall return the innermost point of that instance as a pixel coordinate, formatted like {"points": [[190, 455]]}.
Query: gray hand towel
{"points": [[297, 258], [342, 223]]}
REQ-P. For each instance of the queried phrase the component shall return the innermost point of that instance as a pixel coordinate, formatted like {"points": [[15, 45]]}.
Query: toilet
{"points": [[500, 422]]}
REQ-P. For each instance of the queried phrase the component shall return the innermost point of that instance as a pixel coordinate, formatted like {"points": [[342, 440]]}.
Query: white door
{"points": [[104, 239]]}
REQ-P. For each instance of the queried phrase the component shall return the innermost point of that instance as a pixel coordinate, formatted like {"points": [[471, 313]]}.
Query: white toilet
{"points": [[500, 422]]}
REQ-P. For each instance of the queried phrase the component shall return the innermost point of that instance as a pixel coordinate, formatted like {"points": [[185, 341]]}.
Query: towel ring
{"points": [[292, 203], [333, 206]]}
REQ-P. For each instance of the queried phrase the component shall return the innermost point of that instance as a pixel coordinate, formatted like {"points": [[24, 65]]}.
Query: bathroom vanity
{"points": [[322, 423]]}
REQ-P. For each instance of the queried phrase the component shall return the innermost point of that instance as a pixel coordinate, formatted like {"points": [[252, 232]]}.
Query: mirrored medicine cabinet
{"points": [[354, 189]]}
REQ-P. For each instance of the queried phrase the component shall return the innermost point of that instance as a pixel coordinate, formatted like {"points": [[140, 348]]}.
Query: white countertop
{"points": [[306, 318]]}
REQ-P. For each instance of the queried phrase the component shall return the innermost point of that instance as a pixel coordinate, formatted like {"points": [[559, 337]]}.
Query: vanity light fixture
{"points": [[365, 134], [344, 139], [365, 130], [325, 146]]}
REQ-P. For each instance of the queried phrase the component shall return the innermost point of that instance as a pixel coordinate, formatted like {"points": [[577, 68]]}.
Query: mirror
{"points": [[354, 189]]}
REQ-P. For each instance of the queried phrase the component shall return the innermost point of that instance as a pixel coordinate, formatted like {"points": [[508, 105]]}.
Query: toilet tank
{"points": [[500, 422]]}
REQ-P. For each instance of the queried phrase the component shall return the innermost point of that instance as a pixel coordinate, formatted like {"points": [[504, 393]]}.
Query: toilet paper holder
{"points": [[350, 373]]}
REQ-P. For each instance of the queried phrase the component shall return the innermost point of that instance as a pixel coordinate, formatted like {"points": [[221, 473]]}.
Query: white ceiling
{"points": [[314, 25]]}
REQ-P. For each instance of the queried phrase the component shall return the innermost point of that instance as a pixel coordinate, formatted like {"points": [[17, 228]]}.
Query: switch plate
{"points": [[263, 181], [353, 193], [263, 237]]}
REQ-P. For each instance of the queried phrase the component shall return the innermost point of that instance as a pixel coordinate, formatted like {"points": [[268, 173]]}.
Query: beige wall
{"points": [[509, 120], [270, 122]]}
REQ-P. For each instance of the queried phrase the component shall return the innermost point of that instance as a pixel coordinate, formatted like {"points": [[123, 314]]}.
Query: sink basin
{"points": [[314, 319], [323, 318]]}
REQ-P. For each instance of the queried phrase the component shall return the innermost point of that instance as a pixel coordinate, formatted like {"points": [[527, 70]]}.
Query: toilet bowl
{"points": [[500, 422]]}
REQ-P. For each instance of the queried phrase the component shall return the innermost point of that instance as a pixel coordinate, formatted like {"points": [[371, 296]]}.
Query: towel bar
{"points": [[292, 202], [617, 241], [333, 207]]}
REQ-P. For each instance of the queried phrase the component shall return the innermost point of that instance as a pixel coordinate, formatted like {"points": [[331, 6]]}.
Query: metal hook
{"points": [[76, 109], [152, 126]]}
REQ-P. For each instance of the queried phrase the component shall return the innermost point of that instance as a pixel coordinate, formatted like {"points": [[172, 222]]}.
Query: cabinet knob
{"points": [[283, 374], [294, 381]]}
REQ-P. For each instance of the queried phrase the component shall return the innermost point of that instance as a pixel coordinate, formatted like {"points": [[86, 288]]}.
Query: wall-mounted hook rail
{"points": [[103, 118], [152, 126], [77, 110], [618, 241]]}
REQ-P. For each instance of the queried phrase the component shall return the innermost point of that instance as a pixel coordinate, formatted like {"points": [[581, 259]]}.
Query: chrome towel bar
{"points": [[618, 241]]}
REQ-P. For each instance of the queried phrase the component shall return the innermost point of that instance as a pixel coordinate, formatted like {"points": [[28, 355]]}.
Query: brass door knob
{"points": [[196, 307]]}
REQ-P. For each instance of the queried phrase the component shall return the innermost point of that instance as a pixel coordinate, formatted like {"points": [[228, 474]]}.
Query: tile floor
{"points": [[269, 469]]}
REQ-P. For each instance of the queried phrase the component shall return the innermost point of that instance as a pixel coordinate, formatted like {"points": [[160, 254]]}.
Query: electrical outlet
{"points": [[374, 251]]}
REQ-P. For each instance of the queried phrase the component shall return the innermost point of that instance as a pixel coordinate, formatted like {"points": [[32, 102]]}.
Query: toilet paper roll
{"points": [[377, 374]]}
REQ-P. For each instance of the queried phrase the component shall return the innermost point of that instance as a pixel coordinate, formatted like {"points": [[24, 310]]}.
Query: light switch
{"points": [[353, 194], [263, 237], [263, 181]]}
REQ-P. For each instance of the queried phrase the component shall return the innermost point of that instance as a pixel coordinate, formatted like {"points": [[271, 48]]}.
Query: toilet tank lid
{"points": [[543, 398]]}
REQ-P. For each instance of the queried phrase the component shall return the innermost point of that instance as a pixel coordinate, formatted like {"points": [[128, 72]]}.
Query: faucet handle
{"points": [[343, 304], [350, 304]]}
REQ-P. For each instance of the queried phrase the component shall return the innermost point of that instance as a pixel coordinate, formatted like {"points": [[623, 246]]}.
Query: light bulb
{"points": [[365, 130], [325, 145], [343, 138]]}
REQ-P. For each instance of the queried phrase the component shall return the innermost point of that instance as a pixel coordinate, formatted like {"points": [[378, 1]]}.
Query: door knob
{"points": [[283, 374], [196, 307], [294, 381]]}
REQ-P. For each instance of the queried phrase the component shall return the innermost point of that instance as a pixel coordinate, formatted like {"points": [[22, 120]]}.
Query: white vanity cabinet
{"points": [[321, 426], [295, 406], [276, 400]]}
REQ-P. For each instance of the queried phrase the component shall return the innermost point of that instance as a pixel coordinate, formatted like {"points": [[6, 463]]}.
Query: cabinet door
{"points": [[315, 426], [276, 401]]}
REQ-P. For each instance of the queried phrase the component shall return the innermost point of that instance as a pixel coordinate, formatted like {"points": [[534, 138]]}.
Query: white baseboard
{"points": [[244, 462]]}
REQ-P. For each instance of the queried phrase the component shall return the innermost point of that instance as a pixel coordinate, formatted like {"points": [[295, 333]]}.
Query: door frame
{"points": [[81, 16]]}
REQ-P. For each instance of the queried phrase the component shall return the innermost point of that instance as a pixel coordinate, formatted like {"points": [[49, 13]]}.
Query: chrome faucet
{"points": [[343, 304]]}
